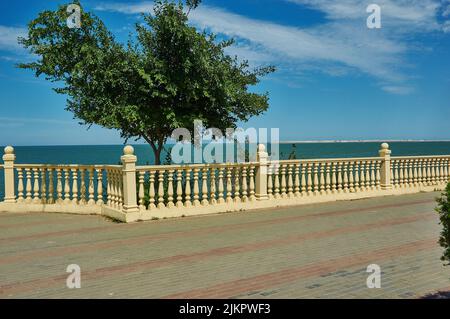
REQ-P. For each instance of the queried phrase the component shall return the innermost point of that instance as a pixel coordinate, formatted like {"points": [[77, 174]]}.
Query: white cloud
{"points": [[8, 38], [342, 43], [400, 90]]}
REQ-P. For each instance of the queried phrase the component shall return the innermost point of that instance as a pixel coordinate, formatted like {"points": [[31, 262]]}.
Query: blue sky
{"points": [[336, 78]]}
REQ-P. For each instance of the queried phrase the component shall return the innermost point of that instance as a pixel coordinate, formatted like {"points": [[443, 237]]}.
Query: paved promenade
{"points": [[314, 251]]}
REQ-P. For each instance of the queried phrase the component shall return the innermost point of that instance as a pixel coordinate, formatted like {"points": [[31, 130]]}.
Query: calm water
{"points": [[110, 154]]}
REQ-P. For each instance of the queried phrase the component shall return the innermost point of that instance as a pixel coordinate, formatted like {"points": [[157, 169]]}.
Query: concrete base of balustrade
{"points": [[278, 202], [81, 209], [196, 210]]}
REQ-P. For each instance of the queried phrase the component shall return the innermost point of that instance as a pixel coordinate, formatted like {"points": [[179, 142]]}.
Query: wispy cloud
{"points": [[8, 38], [400, 90], [342, 43]]}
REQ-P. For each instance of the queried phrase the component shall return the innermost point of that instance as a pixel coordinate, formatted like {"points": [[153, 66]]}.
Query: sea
{"points": [[110, 154]]}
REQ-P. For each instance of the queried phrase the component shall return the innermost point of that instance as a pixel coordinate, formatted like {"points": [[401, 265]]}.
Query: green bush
{"points": [[444, 214]]}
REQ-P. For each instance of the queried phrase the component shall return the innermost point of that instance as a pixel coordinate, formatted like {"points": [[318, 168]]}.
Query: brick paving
{"points": [[312, 251]]}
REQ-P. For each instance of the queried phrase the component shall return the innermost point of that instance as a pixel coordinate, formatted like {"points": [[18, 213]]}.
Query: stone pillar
{"points": [[129, 160], [261, 173], [8, 160], [385, 154]]}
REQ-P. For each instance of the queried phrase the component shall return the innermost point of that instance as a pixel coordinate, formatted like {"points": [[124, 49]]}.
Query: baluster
{"points": [[446, 171], [43, 185], [327, 178], [66, 197], [141, 191], [28, 185], [51, 187], [113, 188], [393, 181], [277, 181], [91, 187], [297, 180], [351, 178], [252, 183], [357, 179], [83, 188], [316, 178], [100, 186], [433, 172], [36, 199], [401, 179], [161, 188], [428, 172], [75, 186], [378, 175], [120, 188], [322, 178], [245, 185], [151, 191], [283, 181], [237, 181], [221, 199], [213, 187], [410, 174], [415, 180], [339, 177], [363, 176], [179, 192], [229, 186], [170, 191], [368, 175], [310, 181], [333, 178], [205, 199], [108, 188], [59, 188], [419, 172], [345, 173], [290, 182], [20, 186], [441, 171], [372, 175], [269, 181], [303, 180]]}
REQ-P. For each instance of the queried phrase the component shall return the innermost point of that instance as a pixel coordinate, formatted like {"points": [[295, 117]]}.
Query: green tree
{"points": [[165, 77], [444, 215]]}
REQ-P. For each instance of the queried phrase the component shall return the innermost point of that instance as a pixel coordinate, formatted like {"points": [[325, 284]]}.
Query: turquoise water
{"points": [[110, 154]]}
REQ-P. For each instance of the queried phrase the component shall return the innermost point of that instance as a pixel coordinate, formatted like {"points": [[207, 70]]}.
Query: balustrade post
{"points": [[385, 154], [261, 173], [129, 160], [8, 159]]}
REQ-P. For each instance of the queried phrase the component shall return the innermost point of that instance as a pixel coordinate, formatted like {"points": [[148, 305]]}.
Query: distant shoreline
{"points": [[281, 142], [361, 141]]}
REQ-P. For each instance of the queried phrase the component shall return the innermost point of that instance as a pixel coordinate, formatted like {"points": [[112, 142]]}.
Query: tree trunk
{"points": [[157, 153]]}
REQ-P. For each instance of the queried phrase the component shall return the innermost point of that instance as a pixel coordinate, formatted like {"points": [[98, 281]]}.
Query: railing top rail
{"points": [[420, 157], [193, 166], [67, 166], [327, 160]]}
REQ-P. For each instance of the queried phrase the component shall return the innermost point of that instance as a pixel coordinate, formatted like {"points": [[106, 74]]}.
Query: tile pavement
{"points": [[312, 251]]}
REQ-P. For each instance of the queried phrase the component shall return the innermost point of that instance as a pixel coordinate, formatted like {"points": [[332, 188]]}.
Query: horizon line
{"points": [[281, 142]]}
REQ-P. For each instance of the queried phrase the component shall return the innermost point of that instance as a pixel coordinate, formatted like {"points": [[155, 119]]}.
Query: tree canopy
{"points": [[167, 75]]}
